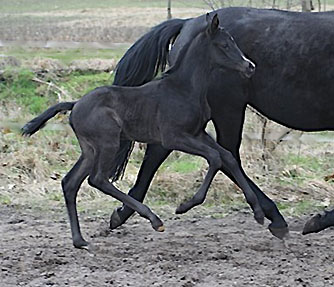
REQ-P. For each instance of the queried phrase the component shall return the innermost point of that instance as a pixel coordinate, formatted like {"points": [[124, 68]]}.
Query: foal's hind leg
{"points": [[104, 151], [71, 184], [147, 170]]}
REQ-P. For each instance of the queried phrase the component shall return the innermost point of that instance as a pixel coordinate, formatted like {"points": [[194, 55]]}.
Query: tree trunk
{"points": [[306, 5], [169, 9]]}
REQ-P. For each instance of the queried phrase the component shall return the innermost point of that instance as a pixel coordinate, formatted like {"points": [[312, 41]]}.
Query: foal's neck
{"points": [[195, 68]]}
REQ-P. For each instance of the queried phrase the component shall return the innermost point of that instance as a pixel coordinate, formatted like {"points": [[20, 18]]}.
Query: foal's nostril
{"points": [[251, 67]]}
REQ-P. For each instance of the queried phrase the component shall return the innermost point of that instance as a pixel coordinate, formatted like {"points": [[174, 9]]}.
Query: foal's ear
{"points": [[213, 24]]}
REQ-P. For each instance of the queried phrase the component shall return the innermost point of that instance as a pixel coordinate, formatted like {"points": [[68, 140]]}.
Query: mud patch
{"points": [[36, 250]]}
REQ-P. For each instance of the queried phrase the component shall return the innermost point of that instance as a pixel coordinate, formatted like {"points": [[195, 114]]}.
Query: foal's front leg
{"points": [[202, 146]]}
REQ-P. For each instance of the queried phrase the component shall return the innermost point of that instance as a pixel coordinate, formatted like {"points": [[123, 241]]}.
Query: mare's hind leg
{"points": [[154, 156], [104, 153], [71, 184], [319, 222], [226, 159]]}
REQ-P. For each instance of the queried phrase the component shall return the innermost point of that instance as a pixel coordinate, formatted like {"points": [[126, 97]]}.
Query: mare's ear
{"points": [[213, 24]]}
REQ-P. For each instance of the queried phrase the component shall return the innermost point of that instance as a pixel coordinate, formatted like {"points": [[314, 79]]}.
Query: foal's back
{"points": [[133, 111]]}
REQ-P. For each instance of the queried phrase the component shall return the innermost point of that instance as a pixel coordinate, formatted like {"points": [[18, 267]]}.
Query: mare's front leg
{"points": [[225, 159], [154, 156], [228, 120]]}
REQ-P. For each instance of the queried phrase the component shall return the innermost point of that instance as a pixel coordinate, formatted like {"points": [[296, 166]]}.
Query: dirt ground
{"points": [[201, 250]]}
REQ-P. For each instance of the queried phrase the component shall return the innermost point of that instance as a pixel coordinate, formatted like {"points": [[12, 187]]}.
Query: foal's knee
{"points": [[215, 161], [96, 180], [68, 189], [229, 161]]}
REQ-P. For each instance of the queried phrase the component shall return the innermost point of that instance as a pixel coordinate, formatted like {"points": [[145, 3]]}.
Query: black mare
{"points": [[172, 111], [293, 85]]}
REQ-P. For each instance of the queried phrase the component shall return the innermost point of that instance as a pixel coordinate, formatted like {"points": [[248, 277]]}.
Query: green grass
{"points": [[18, 86], [299, 208], [65, 56], [183, 163], [303, 168]]}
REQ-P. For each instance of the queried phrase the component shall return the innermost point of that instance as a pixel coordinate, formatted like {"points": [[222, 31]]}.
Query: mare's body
{"points": [[293, 85]]}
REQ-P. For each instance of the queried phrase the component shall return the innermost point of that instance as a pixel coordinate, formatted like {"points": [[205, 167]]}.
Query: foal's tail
{"points": [[37, 123], [139, 65]]}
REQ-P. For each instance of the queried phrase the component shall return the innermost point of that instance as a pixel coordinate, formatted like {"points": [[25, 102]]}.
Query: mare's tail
{"points": [[148, 55], [139, 65], [37, 123]]}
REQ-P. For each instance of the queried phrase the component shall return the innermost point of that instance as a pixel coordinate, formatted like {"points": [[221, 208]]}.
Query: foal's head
{"points": [[224, 51]]}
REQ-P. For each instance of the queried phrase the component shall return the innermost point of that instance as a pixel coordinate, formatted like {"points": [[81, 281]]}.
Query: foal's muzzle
{"points": [[248, 68]]}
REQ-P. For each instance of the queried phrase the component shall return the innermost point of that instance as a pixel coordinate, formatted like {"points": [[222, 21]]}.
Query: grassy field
{"points": [[294, 174], [30, 169]]}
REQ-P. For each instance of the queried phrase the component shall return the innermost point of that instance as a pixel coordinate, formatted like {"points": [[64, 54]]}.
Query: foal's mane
{"points": [[180, 58]]}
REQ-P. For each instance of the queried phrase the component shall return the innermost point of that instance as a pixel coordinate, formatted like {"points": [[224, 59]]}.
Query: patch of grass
{"points": [[65, 56], [183, 163], [302, 168], [81, 83], [18, 86], [299, 208], [5, 199]]}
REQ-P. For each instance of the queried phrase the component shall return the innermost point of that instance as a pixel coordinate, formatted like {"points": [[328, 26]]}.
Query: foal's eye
{"points": [[225, 46]]}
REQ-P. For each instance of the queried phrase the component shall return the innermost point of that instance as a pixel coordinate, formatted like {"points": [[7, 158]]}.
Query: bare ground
{"points": [[202, 250]]}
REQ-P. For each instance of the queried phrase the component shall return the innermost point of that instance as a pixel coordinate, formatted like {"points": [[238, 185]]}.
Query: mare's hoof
{"points": [[313, 225], [115, 219], [280, 233]]}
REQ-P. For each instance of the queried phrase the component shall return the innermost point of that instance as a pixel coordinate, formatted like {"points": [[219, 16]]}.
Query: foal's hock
{"points": [[171, 111]]}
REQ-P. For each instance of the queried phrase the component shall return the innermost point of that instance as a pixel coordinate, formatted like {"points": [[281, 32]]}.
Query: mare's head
{"points": [[223, 50]]}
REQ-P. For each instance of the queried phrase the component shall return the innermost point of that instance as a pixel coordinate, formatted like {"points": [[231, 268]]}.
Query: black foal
{"points": [[172, 111]]}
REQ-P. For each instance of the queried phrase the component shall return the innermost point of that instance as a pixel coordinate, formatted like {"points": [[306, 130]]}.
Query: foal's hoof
{"points": [[83, 244], [160, 228], [115, 219], [158, 225], [280, 233], [183, 208], [259, 217], [313, 225]]}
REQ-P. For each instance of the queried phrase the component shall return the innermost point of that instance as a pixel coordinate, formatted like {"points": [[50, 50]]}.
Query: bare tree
{"points": [[169, 9], [306, 5]]}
